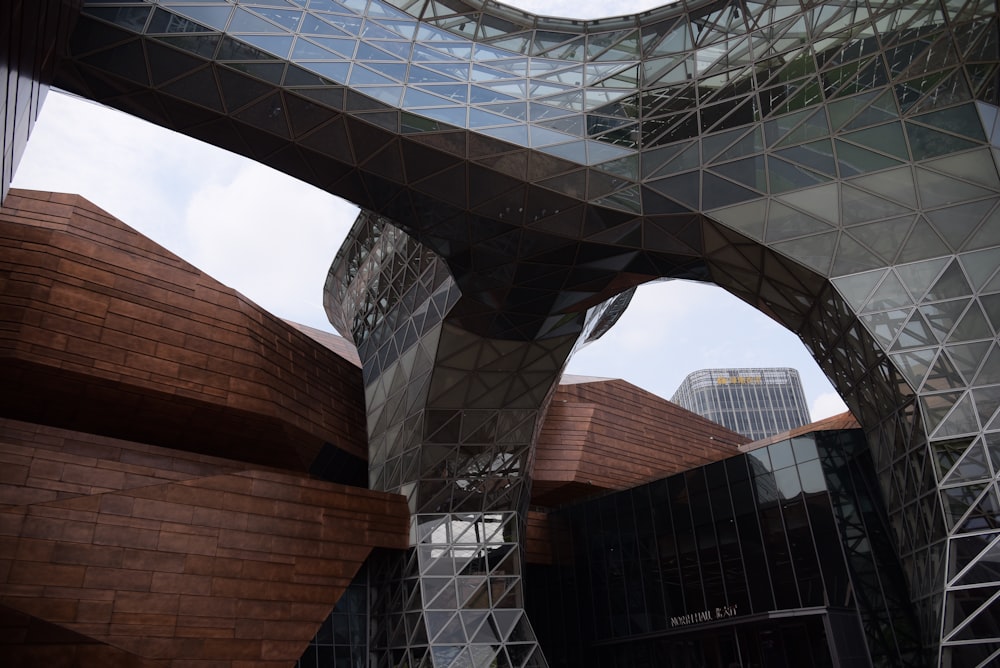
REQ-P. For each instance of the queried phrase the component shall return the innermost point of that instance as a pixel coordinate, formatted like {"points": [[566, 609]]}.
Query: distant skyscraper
{"points": [[754, 402]]}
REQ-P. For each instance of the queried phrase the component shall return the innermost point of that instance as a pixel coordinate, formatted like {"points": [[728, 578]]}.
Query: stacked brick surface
{"points": [[591, 424], [155, 430], [173, 556], [93, 314]]}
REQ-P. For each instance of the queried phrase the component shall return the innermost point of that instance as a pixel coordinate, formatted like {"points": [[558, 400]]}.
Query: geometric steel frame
{"points": [[832, 163]]}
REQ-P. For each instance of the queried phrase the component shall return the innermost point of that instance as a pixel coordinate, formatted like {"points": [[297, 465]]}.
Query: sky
{"points": [[273, 238]]}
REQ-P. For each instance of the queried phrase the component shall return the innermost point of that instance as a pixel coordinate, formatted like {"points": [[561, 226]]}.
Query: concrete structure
{"points": [[832, 164], [754, 402]]}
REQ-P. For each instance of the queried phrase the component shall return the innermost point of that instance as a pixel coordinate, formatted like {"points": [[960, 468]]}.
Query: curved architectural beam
{"points": [[830, 162]]}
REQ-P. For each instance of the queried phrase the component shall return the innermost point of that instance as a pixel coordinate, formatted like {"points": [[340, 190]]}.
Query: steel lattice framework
{"points": [[832, 163]]}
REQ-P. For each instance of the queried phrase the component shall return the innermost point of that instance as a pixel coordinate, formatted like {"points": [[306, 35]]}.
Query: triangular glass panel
{"points": [[853, 160], [853, 257], [214, 17], [784, 176], [980, 266], [963, 120], [893, 184], [973, 466], [967, 359], [842, 110], [885, 325], [816, 155], [784, 222], [918, 276], [886, 138], [916, 333], [748, 218], [928, 143], [989, 374], [748, 171], [885, 237], [951, 284], [987, 236], [822, 202], [914, 365], [858, 206], [719, 192], [714, 143], [815, 252], [991, 304], [985, 515], [881, 110], [437, 621], [986, 568], [943, 376], [856, 289], [972, 326], [942, 316], [199, 87], [685, 188], [505, 620], [947, 453], [956, 222], [975, 166]]}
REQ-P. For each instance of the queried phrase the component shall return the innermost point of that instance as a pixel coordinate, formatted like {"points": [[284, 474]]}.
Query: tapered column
{"points": [[452, 420]]}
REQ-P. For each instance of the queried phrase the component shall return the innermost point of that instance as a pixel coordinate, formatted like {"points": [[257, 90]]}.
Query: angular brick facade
{"points": [[591, 424], [155, 434], [93, 314], [174, 556]]}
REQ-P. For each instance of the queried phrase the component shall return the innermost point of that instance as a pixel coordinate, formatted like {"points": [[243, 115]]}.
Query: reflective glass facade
{"points": [[754, 402], [342, 639], [780, 557], [832, 163]]}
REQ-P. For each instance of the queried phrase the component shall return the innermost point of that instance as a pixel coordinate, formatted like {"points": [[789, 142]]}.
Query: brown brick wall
{"points": [[121, 553], [101, 330], [610, 435]]}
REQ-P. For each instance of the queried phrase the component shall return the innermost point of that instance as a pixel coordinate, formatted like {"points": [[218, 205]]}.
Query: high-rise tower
{"points": [[754, 402]]}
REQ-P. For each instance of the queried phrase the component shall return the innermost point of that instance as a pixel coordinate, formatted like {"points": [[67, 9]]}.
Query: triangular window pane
{"points": [[918, 276], [815, 252], [989, 374], [951, 284], [885, 237], [853, 257], [854, 160], [972, 326], [886, 138], [968, 358], [858, 206]]}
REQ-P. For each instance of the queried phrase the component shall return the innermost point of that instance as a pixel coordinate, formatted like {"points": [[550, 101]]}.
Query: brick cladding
{"points": [[177, 527], [155, 427], [93, 314], [119, 553], [591, 424]]}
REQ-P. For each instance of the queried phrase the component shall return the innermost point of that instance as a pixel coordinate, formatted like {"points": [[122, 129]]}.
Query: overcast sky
{"points": [[272, 238]]}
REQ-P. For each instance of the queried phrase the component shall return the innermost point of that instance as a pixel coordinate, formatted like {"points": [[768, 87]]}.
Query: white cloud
{"points": [[261, 232], [269, 236], [586, 9], [826, 405]]}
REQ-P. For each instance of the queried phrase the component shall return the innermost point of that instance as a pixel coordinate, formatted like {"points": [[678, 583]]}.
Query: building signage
{"points": [[715, 614], [739, 380]]}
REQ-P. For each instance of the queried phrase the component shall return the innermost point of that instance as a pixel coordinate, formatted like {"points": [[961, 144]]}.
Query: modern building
{"points": [[754, 402], [177, 487], [183, 473], [834, 164], [777, 557]]}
